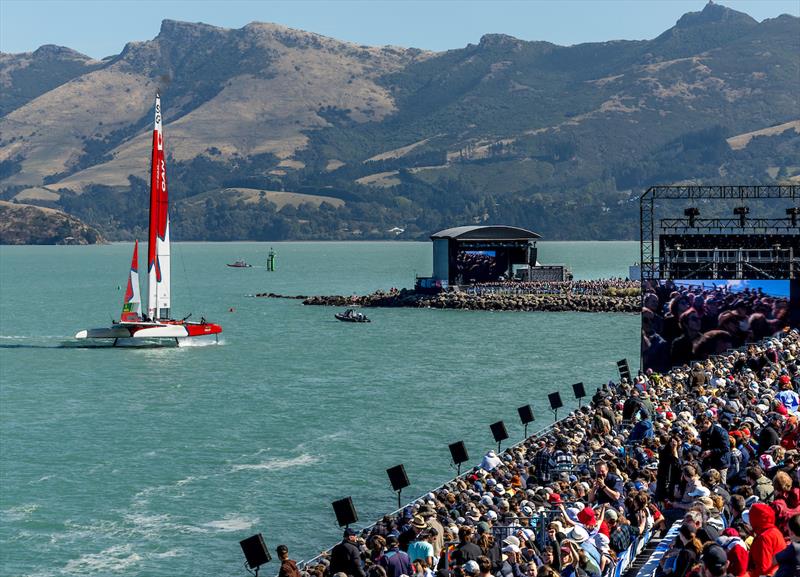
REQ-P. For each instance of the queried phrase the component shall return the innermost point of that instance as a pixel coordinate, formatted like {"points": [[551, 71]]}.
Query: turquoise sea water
{"points": [[157, 461]]}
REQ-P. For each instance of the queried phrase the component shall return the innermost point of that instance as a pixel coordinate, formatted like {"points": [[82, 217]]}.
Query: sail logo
{"points": [[159, 141], [162, 176]]}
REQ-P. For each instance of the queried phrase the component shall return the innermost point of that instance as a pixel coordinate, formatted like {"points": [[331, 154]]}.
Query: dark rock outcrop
{"points": [[29, 224]]}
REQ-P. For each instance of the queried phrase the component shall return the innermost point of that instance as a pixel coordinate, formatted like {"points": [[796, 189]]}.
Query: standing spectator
{"points": [[762, 487], [422, 548], [416, 527], [395, 561], [785, 500], [769, 435], [288, 566], [736, 551], [669, 468], [543, 462], [346, 557], [716, 447], [715, 561], [429, 514], [767, 543], [789, 559], [607, 487], [466, 550], [622, 534]]}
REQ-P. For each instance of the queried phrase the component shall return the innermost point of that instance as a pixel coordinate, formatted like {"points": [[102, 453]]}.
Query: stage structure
{"points": [[757, 237], [468, 255]]}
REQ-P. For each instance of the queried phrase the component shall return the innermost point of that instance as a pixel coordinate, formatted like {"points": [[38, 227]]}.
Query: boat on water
{"points": [[352, 316], [157, 324], [239, 264]]}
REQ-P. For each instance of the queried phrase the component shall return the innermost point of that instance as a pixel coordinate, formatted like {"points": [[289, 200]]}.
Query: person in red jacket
{"points": [[767, 543], [785, 501], [736, 550]]}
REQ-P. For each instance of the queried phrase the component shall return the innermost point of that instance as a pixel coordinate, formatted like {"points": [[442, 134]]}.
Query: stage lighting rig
{"points": [[792, 212], [741, 212], [692, 212]]}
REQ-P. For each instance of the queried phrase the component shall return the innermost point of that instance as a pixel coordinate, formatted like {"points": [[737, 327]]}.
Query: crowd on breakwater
{"points": [[711, 447], [581, 296], [599, 287]]}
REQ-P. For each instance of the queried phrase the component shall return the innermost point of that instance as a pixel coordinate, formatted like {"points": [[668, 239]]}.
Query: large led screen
{"points": [[689, 320], [474, 266]]}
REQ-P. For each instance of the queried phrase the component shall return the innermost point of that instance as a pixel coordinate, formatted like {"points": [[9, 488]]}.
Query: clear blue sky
{"points": [[102, 27]]}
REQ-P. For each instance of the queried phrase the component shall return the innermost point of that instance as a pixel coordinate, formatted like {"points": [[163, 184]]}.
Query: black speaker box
{"points": [[255, 551], [499, 431], [345, 511], [579, 390], [526, 414], [398, 477], [555, 401], [624, 370], [459, 452]]}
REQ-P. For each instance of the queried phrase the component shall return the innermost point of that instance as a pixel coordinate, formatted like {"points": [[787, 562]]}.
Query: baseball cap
{"points": [[471, 567], [714, 557]]}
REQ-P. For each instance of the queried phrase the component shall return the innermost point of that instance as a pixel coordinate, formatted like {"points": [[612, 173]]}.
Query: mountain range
{"points": [[274, 133]]}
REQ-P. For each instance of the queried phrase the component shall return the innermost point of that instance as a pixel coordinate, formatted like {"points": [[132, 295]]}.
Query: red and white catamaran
{"points": [[157, 323]]}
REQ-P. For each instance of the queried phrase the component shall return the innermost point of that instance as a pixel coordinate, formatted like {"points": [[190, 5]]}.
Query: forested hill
{"points": [[274, 133]]}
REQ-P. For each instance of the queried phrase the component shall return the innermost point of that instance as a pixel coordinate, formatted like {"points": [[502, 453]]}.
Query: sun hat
{"points": [[587, 516], [418, 522], [511, 540], [578, 534]]}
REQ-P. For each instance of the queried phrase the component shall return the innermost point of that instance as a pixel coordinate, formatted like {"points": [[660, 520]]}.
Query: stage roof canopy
{"points": [[491, 232]]}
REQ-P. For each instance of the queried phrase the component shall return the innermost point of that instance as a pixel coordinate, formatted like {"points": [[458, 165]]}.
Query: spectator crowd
{"points": [[684, 323], [708, 448], [604, 287]]}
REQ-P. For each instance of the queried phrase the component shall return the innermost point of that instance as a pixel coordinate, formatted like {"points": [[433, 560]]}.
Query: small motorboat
{"points": [[240, 264], [352, 316]]}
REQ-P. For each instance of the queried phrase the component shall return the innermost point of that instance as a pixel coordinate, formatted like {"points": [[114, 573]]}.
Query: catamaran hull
{"points": [[161, 331]]}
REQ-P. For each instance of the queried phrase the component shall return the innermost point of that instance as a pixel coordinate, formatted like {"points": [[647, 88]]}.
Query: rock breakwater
{"points": [[485, 302]]}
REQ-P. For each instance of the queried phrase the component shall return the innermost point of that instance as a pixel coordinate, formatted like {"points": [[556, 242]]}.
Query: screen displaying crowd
{"points": [[477, 266], [689, 320]]}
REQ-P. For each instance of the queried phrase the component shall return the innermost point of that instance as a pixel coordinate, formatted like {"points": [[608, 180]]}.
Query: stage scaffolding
{"points": [[738, 247]]}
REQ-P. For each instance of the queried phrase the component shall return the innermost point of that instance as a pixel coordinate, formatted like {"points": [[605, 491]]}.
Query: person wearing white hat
{"points": [[581, 537], [490, 461]]}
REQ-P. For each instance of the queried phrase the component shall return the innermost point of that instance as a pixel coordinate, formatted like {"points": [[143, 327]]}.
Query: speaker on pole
{"points": [[580, 392], [624, 370], [345, 512], [255, 551], [555, 404], [398, 479], [458, 451], [499, 432], [526, 416]]}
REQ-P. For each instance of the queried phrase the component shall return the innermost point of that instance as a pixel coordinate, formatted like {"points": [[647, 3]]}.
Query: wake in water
{"points": [[63, 342], [277, 463]]}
